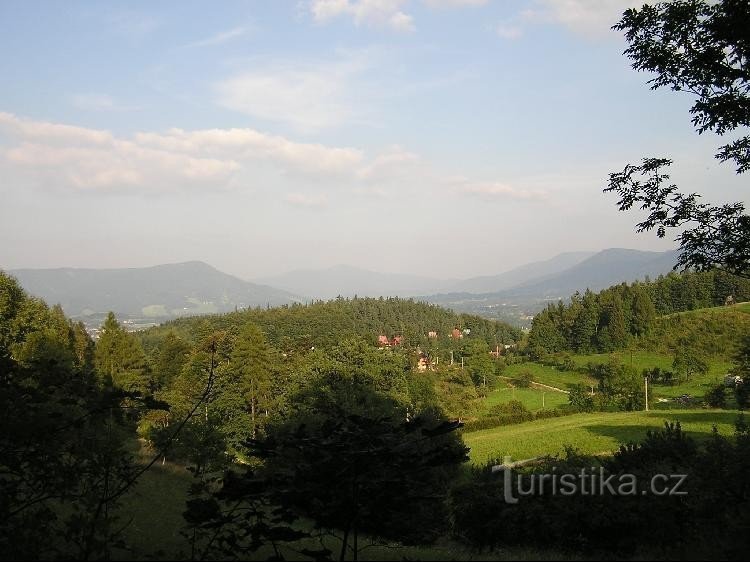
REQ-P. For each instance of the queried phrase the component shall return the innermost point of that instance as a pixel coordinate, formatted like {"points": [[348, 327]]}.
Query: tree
{"points": [[700, 47], [644, 312], [120, 360], [620, 384], [716, 396], [171, 356], [250, 366], [580, 399], [742, 369], [614, 334], [689, 360], [586, 324], [479, 363]]}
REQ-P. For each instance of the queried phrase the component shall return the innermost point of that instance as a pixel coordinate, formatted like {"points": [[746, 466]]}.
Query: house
{"points": [[456, 334], [396, 340], [383, 341], [423, 363], [732, 381], [432, 335]]}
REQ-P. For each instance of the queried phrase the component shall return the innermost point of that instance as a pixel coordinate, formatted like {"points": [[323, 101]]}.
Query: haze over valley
{"points": [[147, 296], [374, 280]]}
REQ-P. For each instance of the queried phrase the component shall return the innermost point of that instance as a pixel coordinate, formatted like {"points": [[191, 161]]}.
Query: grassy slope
{"points": [[548, 375], [530, 397], [590, 433], [155, 506]]}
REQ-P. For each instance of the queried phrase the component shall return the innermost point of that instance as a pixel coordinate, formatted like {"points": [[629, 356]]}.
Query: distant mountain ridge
{"points": [[531, 271], [518, 304], [347, 281], [601, 270], [159, 292]]}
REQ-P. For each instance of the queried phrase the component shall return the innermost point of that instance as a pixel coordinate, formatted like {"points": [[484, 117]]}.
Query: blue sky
{"points": [[449, 138]]}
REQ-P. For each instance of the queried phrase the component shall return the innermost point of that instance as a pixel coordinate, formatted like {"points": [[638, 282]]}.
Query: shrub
{"points": [[716, 397], [523, 380], [548, 413]]}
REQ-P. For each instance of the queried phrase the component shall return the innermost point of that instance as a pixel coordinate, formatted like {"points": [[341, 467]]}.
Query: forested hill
{"points": [[324, 324], [156, 293], [616, 317]]}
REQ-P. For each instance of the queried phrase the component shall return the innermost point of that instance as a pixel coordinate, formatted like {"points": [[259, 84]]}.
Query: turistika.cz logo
{"points": [[593, 481]]}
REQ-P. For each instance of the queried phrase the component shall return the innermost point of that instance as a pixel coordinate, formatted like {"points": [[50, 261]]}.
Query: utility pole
{"points": [[542, 400], [451, 357], [645, 380], [462, 362]]}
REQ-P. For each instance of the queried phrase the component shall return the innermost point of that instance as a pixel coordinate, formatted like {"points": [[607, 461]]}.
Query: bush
{"points": [[523, 380], [547, 413], [567, 364], [716, 397], [580, 400]]}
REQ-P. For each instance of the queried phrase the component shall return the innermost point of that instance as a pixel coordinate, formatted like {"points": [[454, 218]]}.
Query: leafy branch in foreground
{"points": [[716, 236], [701, 47]]}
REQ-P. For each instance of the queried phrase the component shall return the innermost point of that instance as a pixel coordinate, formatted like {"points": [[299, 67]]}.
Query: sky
{"points": [[446, 138]]}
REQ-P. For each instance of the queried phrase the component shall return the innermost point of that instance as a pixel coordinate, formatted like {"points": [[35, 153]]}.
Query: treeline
{"points": [[62, 454], [326, 324], [609, 320], [316, 455]]}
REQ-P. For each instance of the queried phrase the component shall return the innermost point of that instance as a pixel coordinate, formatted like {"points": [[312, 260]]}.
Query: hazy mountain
{"points": [[518, 304], [600, 271], [531, 271], [159, 292], [348, 281]]}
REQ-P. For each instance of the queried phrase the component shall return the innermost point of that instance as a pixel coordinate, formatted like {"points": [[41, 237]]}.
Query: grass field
{"points": [[534, 399], [697, 386], [549, 375], [154, 511], [590, 433], [739, 307]]}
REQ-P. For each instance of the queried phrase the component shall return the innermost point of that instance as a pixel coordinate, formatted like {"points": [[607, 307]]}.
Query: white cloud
{"points": [[454, 3], [43, 155], [509, 31], [393, 163], [249, 144], [76, 157], [592, 18], [305, 200], [376, 13], [308, 97], [219, 38], [99, 102], [498, 191]]}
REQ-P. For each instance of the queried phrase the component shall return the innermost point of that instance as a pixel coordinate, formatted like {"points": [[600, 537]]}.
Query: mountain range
{"points": [[153, 294], [157, 293]]}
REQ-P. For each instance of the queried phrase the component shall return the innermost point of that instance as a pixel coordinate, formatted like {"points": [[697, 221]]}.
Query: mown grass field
{"points": [[590, 433], [534, 399], [549, 375], [697, 386]]}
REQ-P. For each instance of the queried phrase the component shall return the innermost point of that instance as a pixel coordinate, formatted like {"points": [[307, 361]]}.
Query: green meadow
{"points": [[597, 433]]}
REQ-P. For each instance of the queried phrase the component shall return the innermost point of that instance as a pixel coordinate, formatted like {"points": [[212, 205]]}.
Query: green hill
{"points": [[324, 324]]}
